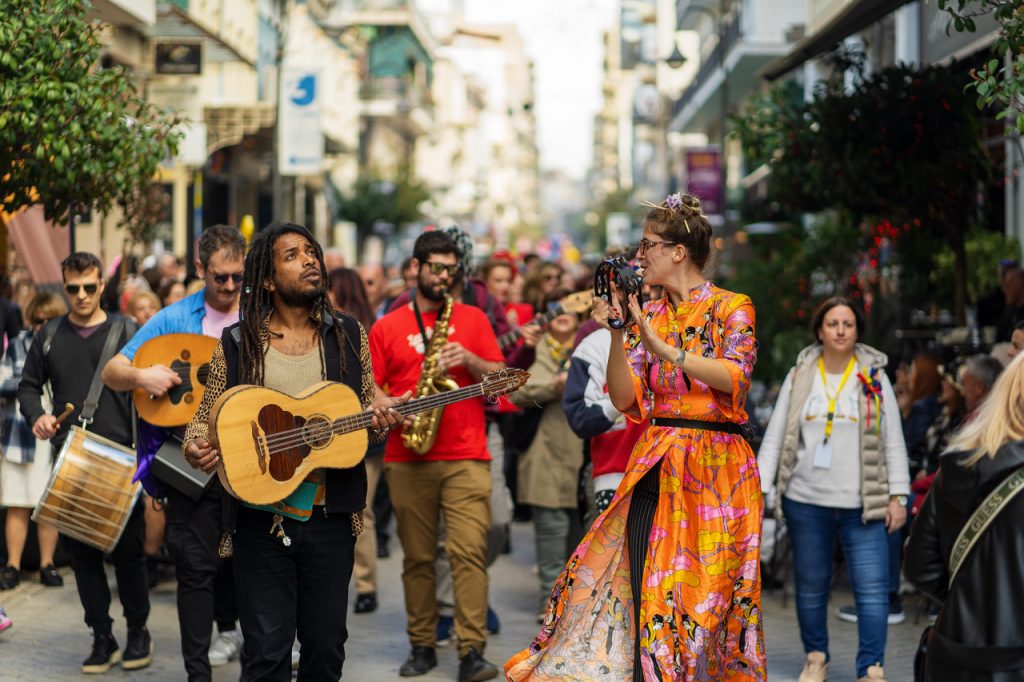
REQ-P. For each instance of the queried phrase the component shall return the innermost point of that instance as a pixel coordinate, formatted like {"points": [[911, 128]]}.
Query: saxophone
{"points": [[420, 435]]}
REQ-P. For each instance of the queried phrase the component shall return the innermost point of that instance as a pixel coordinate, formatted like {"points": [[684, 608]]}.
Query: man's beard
{"points": [[430, 293], [295, 297]]}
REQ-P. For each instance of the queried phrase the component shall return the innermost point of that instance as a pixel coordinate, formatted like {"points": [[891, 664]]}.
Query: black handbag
{"points": [[921, 657]]}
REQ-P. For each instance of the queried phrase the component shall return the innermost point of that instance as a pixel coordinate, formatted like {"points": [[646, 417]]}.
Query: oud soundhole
{"points": [[316, 432]]}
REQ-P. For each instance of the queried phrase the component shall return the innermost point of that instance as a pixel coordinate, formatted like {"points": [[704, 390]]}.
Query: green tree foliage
{"points": [[1001, 81], [900, 147], [378, 198], [72, 135]]}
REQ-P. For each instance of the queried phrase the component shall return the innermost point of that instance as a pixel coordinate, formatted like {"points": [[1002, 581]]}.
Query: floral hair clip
{"points": [[674, 201]]}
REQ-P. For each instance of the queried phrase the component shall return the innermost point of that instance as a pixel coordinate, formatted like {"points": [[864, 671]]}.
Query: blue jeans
{"points": [[812, 531]]}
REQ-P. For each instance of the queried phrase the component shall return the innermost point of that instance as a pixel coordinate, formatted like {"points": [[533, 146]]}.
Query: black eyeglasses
{"points": [[236, 277], [73, 289], [438, 268]]}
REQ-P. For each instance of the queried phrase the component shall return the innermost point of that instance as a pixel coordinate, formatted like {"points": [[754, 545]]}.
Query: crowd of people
{"points": [[629, 449]]}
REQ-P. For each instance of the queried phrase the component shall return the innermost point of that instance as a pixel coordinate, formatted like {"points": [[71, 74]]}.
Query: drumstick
{"points": [[68, 409]]}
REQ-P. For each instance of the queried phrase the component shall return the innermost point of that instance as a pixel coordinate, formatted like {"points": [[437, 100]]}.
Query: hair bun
{"points": [[692, 202]]}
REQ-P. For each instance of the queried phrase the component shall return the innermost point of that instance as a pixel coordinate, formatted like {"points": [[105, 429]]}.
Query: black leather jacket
{"points": [[979, 634]]}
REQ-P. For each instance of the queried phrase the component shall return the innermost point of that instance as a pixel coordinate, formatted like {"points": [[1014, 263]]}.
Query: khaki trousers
{"points": [[420, 493], [365, 569]]}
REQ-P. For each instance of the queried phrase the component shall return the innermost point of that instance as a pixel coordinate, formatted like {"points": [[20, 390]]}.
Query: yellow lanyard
{"points": [[832, 398]]}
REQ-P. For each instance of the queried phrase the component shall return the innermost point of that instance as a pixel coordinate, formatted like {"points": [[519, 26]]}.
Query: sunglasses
{"points": [[646, 244], [223, 279], [73, 289], [438, 268]]}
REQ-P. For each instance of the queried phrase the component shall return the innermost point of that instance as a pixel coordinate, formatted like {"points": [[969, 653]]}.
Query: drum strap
{"points": [[92, 401]]}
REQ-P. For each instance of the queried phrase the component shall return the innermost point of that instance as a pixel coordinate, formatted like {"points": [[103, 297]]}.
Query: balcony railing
{"points": [[733, 31], [405, 94]]}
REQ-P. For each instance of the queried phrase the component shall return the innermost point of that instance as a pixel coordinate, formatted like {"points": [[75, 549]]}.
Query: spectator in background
{"points": [[990, 306], [10, 313], [333, 259], [540, 282], [549, 469], [348, 294], [142, 306], [26, 459], [839, 474], [376, 287], [979, 375], [409, 274], [977, 635], [170, 292], [922, 402], [1013, 304]]}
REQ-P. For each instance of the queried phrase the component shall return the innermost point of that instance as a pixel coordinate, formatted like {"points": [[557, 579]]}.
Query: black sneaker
{"points": [[104, 656], [475, 668], [9, 578], [49, 576], [138, 649], [895, 617], [366, 603], [421, 660]]}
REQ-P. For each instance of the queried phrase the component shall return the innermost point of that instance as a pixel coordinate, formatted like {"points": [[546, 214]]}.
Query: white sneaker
{"points": [[225, 648], [295, 656]]}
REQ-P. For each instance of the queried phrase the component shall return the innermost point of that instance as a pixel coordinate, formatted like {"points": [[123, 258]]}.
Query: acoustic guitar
{"points": [[269, 442], [189, 356], [579, 302]]}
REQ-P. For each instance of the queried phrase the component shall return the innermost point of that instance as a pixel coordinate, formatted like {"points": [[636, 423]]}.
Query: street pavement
{"points": [[49, 640]]}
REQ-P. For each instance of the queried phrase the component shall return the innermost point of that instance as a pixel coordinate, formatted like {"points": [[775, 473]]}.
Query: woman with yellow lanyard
{"points": [[835, 456]]}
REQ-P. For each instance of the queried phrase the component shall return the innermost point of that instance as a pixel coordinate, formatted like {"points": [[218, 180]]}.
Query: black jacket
{"points": [[346, 488], [69, 366], [979, 635]]}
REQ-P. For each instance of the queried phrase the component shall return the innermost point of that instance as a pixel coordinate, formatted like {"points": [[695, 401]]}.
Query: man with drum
{"points": [[206, 585], [69, 364]]}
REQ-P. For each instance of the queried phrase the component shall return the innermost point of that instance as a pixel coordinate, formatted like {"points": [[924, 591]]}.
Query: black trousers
{"points": [[129, 570], [639, 521], [206, 583], [302, 586]]}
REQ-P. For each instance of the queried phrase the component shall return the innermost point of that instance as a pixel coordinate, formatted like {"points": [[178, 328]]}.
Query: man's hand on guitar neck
{"points": [[201, 455], [119, 375], [385, 416], [531, 333]]}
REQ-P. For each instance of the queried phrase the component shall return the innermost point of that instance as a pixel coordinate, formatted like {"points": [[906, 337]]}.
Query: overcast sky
{"points": [[563, 37]]}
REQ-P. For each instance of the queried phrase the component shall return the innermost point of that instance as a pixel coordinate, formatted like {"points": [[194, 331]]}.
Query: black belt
{"points": [[726, 427]]}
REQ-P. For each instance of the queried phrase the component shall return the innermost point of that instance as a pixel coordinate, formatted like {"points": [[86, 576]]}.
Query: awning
{"points": [[857, 15], [41, 244]]}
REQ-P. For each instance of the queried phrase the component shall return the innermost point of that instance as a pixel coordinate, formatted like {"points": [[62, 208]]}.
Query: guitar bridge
{"points": [[260, 443]]}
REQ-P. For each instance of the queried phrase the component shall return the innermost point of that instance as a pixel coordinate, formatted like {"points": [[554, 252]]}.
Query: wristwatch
{"points": [[680, 358], [901, 500]]}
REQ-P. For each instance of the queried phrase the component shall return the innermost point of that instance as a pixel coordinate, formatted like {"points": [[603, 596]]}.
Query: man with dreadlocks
{"points": [[293, 559]]}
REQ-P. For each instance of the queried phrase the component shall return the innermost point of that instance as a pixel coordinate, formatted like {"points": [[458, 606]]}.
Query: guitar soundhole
{"points": [[316, 432]]}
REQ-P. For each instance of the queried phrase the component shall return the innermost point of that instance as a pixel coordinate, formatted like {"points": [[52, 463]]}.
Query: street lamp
{"points": [[677, 59]]}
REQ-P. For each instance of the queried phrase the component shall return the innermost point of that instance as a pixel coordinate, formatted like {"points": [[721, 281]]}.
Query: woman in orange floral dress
{"points": [[683, 531]]}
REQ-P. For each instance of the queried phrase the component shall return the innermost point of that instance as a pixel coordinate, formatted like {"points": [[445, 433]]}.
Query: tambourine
{"points": [[619, 271]]}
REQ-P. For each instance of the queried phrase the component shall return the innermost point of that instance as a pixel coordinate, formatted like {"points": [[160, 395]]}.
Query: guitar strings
{"points": [[285, 440]]}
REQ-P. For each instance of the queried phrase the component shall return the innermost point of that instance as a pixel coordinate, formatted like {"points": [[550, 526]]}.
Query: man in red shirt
{"points": [[454, 476]]}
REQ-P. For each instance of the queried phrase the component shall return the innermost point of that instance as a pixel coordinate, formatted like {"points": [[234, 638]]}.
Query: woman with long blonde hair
{"points": [[977, 634]]}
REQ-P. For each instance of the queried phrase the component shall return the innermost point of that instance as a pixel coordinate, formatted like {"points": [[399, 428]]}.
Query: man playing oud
{"points": [[453, 476], [206, 584], [293, 559]]}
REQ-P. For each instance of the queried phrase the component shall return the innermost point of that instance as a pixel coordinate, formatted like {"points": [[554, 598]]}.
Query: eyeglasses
{"points": [[438, 268], [646, 244], [73, 289], [235, 277], [40, 320]]}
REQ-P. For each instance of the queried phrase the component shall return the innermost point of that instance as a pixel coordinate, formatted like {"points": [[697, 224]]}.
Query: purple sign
{"points": [[704, 178]]}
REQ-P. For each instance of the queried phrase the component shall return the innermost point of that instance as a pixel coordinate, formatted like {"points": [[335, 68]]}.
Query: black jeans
{"points": [[299, 587], [129, 569], [206, 583], [639, 521]]}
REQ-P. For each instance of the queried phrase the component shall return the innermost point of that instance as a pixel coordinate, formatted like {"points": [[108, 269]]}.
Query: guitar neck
{"points": [[364, 420], [506, 340]]}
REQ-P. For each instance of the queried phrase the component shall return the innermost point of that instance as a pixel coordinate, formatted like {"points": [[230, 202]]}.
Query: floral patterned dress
{"points": [[700, 612]]}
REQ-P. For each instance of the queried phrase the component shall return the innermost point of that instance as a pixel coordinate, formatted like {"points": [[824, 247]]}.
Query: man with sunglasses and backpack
{"points": [[206, 585], [67, 355]]}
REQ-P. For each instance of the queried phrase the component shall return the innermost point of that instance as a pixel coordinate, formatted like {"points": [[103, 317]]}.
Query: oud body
{"points": [[270, 442], [189, 356]]}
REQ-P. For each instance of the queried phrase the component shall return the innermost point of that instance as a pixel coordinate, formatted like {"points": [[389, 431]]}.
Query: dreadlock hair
{"points": [[256, 305]]}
